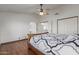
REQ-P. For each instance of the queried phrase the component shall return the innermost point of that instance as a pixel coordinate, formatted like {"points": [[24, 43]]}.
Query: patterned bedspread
{"points": [[52, 44]]}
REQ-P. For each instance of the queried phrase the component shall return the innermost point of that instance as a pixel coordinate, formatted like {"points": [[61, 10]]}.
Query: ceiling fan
{"points": [[42, 11]]}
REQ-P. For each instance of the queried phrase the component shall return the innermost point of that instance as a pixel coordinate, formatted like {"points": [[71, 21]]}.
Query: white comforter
{"points": [[56, 44]]}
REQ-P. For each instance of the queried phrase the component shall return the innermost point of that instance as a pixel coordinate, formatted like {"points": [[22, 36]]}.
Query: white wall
{"points": [[14, 26], [64, 12]]}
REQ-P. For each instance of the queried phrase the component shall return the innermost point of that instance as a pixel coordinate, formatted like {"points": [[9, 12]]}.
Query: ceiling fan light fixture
{"points": [[41, 13], [41, 10]]}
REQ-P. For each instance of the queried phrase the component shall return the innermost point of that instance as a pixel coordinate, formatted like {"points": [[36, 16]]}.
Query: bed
{"points": [[54, 44]]}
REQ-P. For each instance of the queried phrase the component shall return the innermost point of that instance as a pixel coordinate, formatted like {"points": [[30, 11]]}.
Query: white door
{"points": [[67, 26]]}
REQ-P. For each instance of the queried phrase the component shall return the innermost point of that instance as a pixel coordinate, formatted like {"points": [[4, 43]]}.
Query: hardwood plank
{"points": [[14, 48]]}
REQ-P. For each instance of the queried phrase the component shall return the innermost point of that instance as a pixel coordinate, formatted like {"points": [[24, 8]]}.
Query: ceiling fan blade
{"points": [[43, 10]]}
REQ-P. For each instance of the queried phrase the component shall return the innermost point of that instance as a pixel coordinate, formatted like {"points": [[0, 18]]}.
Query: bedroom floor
{"points": [[15, 48]]}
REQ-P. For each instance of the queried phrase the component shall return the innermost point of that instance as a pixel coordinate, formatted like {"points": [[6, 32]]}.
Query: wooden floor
{"points": [[15, 48]]}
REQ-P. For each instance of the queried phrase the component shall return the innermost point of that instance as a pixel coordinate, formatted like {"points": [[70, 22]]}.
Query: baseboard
{"points": [[12, 41]]}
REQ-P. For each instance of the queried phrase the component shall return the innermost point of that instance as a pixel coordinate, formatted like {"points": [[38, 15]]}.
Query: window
{"points": [[45, 26]]}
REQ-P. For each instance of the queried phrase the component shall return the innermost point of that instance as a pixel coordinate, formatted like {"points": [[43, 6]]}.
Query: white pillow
{"points": [[51, 34], [61, 36], [44, 36]]}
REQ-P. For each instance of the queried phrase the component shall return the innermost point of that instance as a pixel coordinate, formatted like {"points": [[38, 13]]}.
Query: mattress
{"points": [[60, 44]]}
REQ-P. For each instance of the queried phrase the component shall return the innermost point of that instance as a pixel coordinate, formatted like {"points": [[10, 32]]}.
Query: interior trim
{"points": [[12, 42]]}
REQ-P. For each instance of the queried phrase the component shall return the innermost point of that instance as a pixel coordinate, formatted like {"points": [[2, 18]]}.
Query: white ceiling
{"points": [[25, 8]]}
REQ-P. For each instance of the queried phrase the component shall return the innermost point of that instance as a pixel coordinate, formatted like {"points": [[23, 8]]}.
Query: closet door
{"points": [[67, 26]]}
